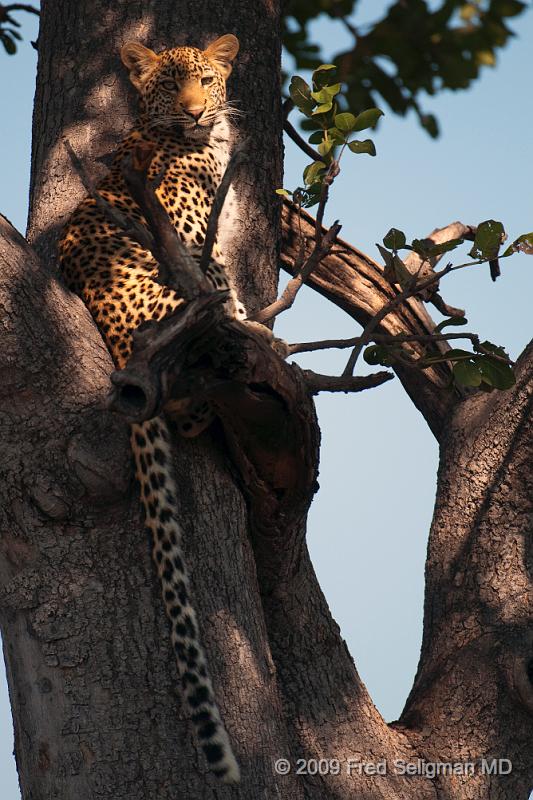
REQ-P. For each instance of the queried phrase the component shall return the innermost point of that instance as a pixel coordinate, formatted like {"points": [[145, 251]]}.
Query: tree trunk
{"points": [[91, 675]]}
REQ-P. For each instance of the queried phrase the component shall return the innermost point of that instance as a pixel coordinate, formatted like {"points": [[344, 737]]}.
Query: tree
{"points": [[93, 690]]}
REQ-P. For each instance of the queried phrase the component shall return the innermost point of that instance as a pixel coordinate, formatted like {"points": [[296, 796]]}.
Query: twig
{"points": [[177, 267], [287, 106], [133, 229], [327, 344], [20, 7], [341, 383], [330, 176], [293, 134], [411, 288], [320, 250], [444, 308], [212, 224]]}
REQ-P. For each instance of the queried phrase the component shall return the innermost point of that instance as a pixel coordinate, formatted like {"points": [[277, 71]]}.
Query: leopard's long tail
{"points": [[153, 456]]}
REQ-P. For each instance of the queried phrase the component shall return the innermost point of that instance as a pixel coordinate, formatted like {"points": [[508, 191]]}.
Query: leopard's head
{"points": [[183, 88]]}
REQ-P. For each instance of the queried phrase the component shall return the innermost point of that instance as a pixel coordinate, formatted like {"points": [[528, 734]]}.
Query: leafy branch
{"points": [[332, 131], [9, 35], [427, 47], [487, 366]]}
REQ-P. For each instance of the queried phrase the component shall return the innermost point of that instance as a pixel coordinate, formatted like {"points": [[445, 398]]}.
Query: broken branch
{"points": [[177, 267], [235, 161], [133, 229], [320, 250], [344, 383]]}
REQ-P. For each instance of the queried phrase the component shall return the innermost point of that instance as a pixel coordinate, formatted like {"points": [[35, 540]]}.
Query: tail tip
{"points": [[229, 772]]}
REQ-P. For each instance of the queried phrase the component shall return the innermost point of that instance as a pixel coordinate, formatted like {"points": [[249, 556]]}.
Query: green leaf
{"points": [[394, 239], [422, 247], [336, 136], [469, 11], [300, 93], [312, 172], [450, 321], [366, 146], [324, 147], [427, 249], [311, 196], [316, 137], [327, 92], [321, 109], [9, 44], [494, 348], [322, 96], [495, 372], [309, 124], [323, 74], [485, 58], [444, 247], [284, 192], [489, 236], [345, 121], [377, 354], [507, 8], [324, 68], [524, 244], [467, 373], [366, 119]]}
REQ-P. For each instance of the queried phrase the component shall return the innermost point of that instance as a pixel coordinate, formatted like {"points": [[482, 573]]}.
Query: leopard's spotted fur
{"points": [[184, 113]]}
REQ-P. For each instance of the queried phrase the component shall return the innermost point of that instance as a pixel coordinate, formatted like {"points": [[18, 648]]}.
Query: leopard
{"points": [[185, 118]]}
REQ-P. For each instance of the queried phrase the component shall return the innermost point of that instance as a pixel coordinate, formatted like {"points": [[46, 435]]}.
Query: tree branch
{"points": [[18, 7], [356, 284], [177, 267], [321, 248], [235, 161], [412, 288], [342, 383], [341, 344], [135, 231], [293, 134]]}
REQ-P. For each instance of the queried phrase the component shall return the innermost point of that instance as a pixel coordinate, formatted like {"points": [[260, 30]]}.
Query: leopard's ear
{"points": [[221, 53], [139, 60]]}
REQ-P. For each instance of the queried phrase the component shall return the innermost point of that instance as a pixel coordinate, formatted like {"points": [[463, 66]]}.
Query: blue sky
{"points": [[368, 525]]}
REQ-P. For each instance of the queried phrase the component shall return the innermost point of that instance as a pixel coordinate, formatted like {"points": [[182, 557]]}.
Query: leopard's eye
{"points": [[169, 86], [207, 79]]}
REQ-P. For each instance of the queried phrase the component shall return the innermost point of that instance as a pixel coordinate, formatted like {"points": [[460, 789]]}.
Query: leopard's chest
{"points": [[187, 189]]}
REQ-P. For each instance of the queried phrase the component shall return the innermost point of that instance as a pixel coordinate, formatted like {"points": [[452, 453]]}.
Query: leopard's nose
{"points": [[195, 112]]}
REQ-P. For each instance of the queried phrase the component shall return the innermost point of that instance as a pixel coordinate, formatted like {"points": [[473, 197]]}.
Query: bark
{"points": [[91, 675], [118, 685], [473, 694]]}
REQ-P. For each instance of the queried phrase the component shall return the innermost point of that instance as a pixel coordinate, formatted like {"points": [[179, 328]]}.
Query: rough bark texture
{"points": [[473, 694], [92, 681], [124, 678]]}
